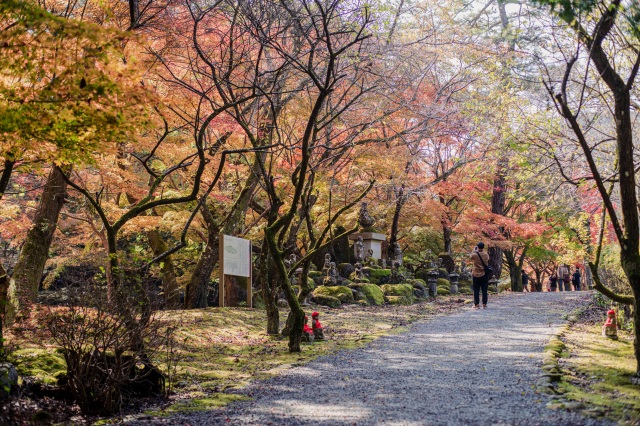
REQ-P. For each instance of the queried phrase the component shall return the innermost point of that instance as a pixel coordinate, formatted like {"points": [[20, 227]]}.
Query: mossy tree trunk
{"points": [[4, 287], [169, 280], [269, 286], [515, 264], [196, 291], [35, 251]]}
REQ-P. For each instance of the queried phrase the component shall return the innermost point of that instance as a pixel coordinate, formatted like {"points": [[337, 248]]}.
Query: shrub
{"points": [[109, 348]]}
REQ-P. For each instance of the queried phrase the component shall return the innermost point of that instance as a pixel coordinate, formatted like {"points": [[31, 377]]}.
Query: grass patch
{"points": [[197, 404], [598, 373], [226, 348]]}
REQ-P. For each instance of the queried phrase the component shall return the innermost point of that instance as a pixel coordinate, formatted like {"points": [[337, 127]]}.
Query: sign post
{"points": [[235, 260]]}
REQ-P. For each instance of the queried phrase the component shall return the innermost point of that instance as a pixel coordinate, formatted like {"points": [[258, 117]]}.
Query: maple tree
{"points": [[599, 40]]}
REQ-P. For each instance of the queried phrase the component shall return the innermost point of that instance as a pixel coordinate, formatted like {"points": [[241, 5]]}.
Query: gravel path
{"points": [[475, 367]]}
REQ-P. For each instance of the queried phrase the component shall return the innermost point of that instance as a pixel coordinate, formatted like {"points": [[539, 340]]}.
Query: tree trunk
{"points": [[4, 288], [35, 251], [6, 176], [446, 236], [636, 327], [498, 200], [269, 287], [196, 291], [395, 223], [514, 271], [169, 281], [305, 288]]}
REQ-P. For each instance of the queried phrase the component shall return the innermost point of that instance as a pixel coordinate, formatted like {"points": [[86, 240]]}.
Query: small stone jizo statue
{"points": [[359, 275], [610, 327], [318, 334], [307, 332]]}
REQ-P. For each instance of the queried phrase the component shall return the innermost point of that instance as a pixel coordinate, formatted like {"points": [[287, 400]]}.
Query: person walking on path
{"points": [[576, 280], [525, 281], [480, 275], [553, 282], [563, 277]]}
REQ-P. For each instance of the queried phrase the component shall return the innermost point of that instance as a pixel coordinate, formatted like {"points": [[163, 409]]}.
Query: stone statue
{"points": [[326, 268], [369, 260], [364, 218], [396, 277], [384, 263], [291, 261], [397, 254], [307, 332], [334, 274], [316, 326], [358, 250], [359, 275]]}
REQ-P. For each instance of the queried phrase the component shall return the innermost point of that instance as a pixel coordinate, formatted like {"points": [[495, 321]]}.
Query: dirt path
{"points": [[475, 367]]}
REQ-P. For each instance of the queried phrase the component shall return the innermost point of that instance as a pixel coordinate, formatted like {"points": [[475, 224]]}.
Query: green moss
{"points": [[443, 283], [420, 281], [598, 373], [398, 300], [444, 291], [342, 293], [310, 282], [372, 293], [46, 365], [377, 275], [399, 290], [314, 274], [329, 301]]}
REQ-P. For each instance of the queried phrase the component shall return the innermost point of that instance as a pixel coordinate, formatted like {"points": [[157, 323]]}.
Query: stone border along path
{"points": [[474, 367]]}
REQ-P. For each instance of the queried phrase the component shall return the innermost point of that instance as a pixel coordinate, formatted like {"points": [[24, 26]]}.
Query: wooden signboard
{"points": [[235, 261]]}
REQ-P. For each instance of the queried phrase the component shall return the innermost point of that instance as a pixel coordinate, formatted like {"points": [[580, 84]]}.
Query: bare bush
{"points": [[109, 348]]}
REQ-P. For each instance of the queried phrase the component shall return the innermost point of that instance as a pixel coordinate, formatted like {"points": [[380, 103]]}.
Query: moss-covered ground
{"points": [[597, 373], [223, 348]]}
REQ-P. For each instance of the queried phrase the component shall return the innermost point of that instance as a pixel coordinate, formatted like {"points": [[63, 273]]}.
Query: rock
{"points": [[342, 293], [397, 300], [329, 301], [8, 379], [371, 292], [283, 303], [404, 291], [419, 288], [377, 276], [345, 269]]}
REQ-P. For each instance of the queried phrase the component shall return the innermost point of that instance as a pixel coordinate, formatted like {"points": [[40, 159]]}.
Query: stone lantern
{"points": [[493, 282], [432, 282], [453, 280], [370, 239]]}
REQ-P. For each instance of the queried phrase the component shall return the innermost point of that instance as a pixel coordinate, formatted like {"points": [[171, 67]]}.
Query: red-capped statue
{"points": [[317, 327], [610, 327], [307, 333]]}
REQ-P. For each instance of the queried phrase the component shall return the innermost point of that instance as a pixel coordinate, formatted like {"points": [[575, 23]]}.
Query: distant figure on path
{"points": [[553, 282], [480, 260], [525, 281], [563, 277], [576, 280]]}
